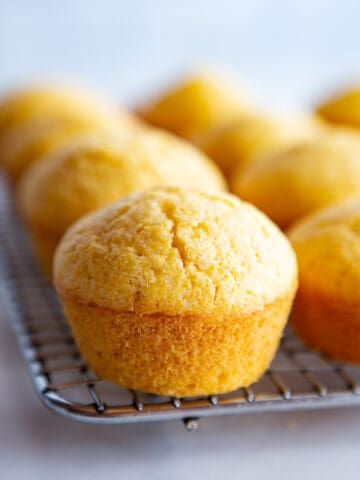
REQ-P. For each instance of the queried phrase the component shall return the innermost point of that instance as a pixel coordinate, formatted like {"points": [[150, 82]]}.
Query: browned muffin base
{"points": [[328, 324], [180, 355]]}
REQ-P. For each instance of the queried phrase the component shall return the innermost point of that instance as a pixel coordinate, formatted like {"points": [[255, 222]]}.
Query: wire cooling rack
{"points": [[297, 379]]}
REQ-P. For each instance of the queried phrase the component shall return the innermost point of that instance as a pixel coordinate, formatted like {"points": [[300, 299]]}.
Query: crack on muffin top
{"points": [[175, 251]]}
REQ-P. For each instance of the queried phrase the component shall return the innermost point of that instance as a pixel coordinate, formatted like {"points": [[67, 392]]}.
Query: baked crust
{"points": [[327, 323], [178, 252], [177, 292], [178, 355], [326, 312]]}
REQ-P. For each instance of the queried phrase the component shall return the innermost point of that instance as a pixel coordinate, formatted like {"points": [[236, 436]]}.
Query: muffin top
{"points": [[177, 252], [342, 108], [327, 244], [97, 170], [29, 142], [308, 176], [235, 143], [194, 104], [41, 101], [29, 116]]}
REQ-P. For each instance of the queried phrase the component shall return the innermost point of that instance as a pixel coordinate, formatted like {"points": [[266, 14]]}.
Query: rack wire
{"points": [[297, 379]]}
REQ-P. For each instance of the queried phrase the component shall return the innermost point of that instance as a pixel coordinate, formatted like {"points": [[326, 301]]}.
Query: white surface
{"points": [[37, 444], [288, 51]]}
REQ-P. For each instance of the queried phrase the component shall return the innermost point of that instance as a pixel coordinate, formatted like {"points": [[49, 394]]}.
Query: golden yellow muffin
{"points": [[236, 143], [327, 308], [28, 117], [303, 178], [36, 102], [343, 108], [30, 142], [194, 105], [97, 170], [177, 292]]}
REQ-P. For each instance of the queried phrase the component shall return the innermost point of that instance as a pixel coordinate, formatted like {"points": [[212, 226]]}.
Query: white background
{"points": [[288, 53]]}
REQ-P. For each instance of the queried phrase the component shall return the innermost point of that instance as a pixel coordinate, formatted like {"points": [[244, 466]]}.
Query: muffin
{"points": [[35, 140], [94, 171], [326, 313], [343, 108], [299, 180], [35, 102], [194, 105], [34, 120], [235, 143], [176, 292]]}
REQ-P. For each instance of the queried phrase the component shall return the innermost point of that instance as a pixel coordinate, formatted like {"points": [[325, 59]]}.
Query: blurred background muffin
{"points": [[342, 108], [297, 181], [97, 170], [326, 313], [195, 104], [34, 120], [233, 144]]}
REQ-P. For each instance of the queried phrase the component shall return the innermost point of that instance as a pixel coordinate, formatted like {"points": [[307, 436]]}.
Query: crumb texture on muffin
{"points": [[177, 292], [176, 252], [180, 355]]}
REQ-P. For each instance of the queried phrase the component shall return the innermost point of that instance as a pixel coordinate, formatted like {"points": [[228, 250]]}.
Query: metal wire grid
{"points": [[298, 377]]}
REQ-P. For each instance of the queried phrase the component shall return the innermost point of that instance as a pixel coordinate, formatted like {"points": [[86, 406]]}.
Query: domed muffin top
{"points": [[194, 104], [177, 252]]}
